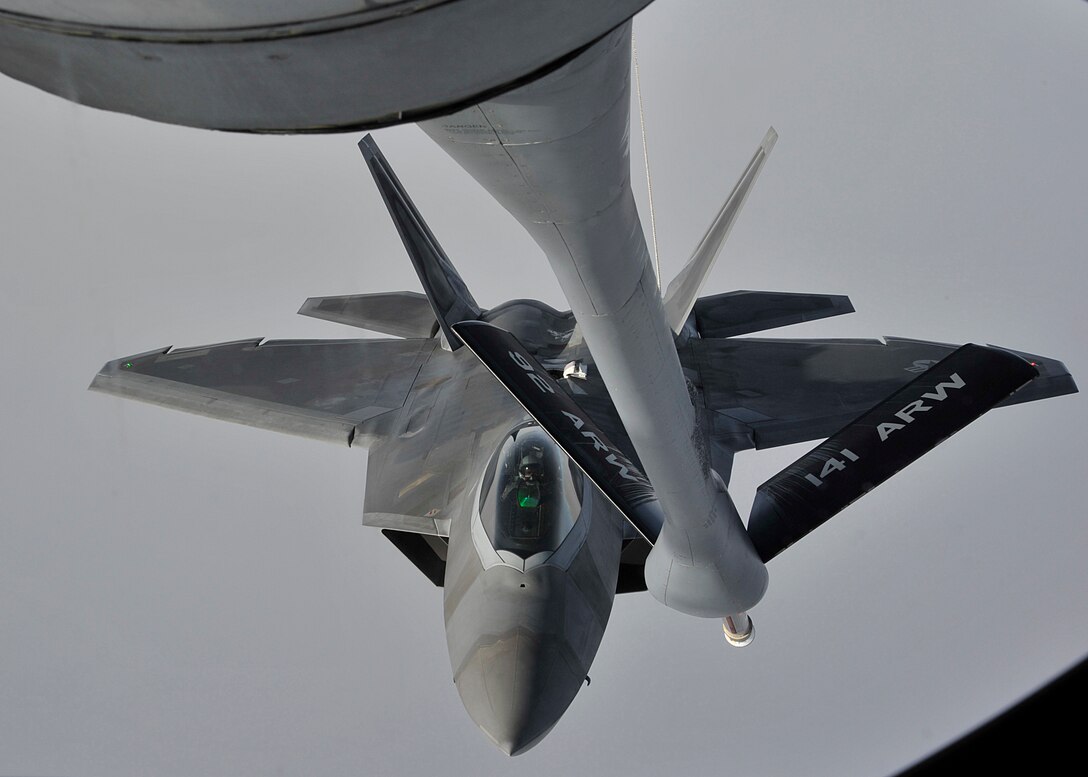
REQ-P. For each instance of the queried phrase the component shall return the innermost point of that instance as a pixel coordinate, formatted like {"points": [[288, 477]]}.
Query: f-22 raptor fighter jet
{"points": [[534, 462]]}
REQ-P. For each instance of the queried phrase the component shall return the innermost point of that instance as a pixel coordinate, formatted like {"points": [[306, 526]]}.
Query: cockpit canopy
{"points": [[530, 496]]}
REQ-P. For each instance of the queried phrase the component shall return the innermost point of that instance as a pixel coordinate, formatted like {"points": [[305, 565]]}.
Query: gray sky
{"points": [[180, 596]]}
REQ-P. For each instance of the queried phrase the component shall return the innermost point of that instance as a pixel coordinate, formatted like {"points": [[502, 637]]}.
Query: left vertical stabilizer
{"points": [[446, 291]]}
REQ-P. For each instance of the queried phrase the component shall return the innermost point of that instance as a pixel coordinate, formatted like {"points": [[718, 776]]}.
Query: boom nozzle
{"points": [[738, 629]]}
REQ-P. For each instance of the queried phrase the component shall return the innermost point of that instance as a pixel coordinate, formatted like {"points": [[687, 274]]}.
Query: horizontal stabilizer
{"points": [[684, 289], [744, 312], [446, 291], [405, 314], [565, 422], [897, 431], [335, 390]]}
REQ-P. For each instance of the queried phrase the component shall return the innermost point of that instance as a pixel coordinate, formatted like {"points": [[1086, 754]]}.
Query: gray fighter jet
{"points": [[535, 462]]}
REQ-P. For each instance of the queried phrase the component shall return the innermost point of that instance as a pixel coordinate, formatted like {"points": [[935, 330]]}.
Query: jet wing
{"points": [[766, 393], [336, 390]]}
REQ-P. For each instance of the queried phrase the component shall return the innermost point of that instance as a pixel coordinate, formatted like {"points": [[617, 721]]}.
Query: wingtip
{"points": [[307, 307], [97, 383], [368, 147], [112, 369], [769, 140]]}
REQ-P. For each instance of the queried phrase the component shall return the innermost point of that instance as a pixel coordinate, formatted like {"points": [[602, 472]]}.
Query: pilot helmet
{"points": [[531, 466]]}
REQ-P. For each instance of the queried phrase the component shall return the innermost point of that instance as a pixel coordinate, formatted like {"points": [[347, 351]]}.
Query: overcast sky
{"points": [[181, 596]]}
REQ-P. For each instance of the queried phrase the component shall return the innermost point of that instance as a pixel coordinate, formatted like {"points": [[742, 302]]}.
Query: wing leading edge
{"points": [[334, 390]]}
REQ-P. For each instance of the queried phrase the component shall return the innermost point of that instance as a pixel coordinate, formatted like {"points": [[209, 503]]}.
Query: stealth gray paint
{"points": [[521, 642]]}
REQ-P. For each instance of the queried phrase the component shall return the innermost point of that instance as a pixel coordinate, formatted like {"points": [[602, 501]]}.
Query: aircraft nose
{"points": [[517, 686]]}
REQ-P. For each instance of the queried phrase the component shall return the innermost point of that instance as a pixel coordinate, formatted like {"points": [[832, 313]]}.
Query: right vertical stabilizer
{"points": [[682, 292]]}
